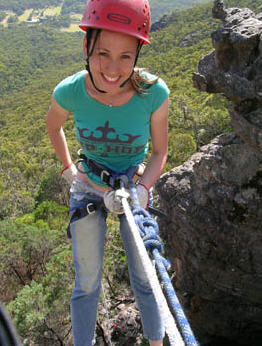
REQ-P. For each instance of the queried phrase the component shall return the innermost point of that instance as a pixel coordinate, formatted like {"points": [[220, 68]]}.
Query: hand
{"points": [[69, 173], [143, 195], [113, 202]]}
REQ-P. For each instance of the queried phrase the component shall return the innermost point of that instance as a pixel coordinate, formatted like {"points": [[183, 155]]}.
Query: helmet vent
{"points": [[119, 18]]}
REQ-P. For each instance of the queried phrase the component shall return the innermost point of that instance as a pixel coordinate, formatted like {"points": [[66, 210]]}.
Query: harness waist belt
{"points": [[107, 175]]}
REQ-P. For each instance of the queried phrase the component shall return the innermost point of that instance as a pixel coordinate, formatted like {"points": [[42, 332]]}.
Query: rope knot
{"points": [[148, 230]]}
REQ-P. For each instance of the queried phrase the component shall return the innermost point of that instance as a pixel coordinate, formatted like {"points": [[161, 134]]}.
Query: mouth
{"points": [[112, 80]]}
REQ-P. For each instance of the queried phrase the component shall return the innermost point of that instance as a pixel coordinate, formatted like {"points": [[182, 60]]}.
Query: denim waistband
{"points": [[81, 187]]}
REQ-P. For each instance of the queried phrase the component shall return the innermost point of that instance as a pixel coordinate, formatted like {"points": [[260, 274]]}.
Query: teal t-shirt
{"points": [[116, 137]]}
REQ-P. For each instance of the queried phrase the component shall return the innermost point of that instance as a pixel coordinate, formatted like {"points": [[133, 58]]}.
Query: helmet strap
{"points": [[88, 53], [91, 77]]}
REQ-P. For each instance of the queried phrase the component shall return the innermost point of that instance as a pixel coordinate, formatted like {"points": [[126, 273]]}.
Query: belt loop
{"points": [[90, 208], [105, 177]]}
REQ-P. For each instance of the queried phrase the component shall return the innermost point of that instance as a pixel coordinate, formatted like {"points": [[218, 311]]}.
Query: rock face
{"points": [[214, 233]]}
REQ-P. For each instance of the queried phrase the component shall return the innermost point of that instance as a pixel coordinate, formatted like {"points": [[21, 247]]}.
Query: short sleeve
{"points": [[160, 92], [63, 94]]}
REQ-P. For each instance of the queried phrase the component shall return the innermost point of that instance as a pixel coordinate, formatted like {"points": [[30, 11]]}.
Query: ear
{"points": [[84, 45]]}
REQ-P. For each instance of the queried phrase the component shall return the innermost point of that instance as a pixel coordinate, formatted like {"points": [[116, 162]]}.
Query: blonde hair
{"points": [[139, 81]]}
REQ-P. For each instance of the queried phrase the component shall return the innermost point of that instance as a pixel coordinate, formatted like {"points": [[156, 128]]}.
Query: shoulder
{"points": [[71, 80], [66, 90], [156, 89]]}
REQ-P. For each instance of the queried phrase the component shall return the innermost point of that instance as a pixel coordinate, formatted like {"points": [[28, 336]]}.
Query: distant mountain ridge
{"points": [[158, 8]]}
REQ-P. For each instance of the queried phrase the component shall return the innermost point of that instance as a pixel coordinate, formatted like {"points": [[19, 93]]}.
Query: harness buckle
{"points": [[105, 177], [90, 208]]}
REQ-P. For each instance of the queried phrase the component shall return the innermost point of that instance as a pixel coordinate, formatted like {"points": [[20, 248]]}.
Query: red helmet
{"points": [[131, 17]]}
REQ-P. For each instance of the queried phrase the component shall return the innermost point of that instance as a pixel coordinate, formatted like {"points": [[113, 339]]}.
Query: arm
{"points": [[56, 117], [159, 137]]}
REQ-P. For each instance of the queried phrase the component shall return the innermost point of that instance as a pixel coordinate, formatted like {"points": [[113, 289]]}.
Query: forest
{"points": [[36, 273], [71, 7]]}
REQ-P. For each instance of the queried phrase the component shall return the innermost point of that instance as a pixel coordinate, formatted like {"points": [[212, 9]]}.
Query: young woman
{"points": [[116, 108]]}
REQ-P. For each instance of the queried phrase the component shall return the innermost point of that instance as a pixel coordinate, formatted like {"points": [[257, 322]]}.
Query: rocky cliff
{"points": [[214, 232]]}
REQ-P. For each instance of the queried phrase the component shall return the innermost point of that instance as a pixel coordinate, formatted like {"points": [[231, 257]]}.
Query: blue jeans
{"points": [[88, 241]]}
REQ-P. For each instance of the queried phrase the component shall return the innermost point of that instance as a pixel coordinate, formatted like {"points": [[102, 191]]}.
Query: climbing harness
{"points": [[145, 233], [80, 212], [107, 175], [90, 208]]}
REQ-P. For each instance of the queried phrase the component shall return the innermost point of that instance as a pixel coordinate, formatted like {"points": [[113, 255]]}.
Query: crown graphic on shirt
{"points": [[105, 130]]}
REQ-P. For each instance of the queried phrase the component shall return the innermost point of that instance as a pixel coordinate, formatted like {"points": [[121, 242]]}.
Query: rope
{"points": [[148, 231], [170, 325]]}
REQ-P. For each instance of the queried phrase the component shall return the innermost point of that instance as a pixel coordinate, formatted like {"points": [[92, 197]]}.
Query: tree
{"points": [[24, 253], [41, 309]]}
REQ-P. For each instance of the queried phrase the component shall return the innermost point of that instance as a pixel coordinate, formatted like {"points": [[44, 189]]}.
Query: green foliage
{"points": [[18, 6], [43, 50], [40, 304], [52, 187], [47, 215], [158, 9], [71, 6], [24, 253], [25, 149], [62, 21], [77, 6], [56, 216], [181, 149], [41, 309], [2, 15], [12, 19]]}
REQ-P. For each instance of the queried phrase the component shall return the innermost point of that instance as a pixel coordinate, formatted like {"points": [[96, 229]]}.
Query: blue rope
{"points": [[149, 232]]}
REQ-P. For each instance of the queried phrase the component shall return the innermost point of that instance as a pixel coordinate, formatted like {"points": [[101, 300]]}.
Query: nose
{"points": [[112, 67]]}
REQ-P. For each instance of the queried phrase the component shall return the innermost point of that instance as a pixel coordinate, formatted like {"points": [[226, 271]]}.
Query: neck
{"points": [[112, 98]]}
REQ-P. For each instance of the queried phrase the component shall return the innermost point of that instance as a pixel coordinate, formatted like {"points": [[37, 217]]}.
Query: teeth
{"points": [[111, 79]]}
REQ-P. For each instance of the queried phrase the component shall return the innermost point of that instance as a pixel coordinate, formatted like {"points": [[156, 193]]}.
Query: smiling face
{"points": [[112, 60]]}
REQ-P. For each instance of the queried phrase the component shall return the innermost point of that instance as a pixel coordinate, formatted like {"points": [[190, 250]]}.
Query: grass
{"points": [[71, 28], [52, 11], [48, 12], [25, 15], [76, 16], [4, 21]]}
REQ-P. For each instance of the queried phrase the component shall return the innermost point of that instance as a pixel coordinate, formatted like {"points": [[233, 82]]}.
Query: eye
{"points": [[102, 53], [125, 56]]}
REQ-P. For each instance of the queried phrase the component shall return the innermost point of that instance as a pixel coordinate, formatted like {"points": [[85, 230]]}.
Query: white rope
{"points": [[173, 333]]}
